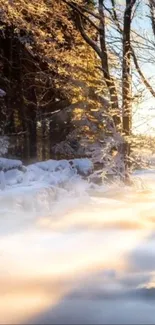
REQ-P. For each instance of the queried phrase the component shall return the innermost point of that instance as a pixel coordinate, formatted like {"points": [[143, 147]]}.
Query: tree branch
{"points": [[76, 8], [87, 39], [49, 106], [130, 5], [146, 83], [90, 12]]}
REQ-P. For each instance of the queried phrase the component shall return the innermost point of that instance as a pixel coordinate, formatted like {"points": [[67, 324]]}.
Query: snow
{"points": [[2, 180], [6, 164], [13, 176], [83, 166], [145, 178], [71, 250], [42, 174], [53, 165]]}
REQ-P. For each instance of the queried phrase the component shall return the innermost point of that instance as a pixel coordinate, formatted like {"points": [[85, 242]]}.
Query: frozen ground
{"points": [[75, 253]]}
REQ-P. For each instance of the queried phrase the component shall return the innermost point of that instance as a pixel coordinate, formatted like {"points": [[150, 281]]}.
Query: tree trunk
{"points": [[43, 140], [126, 70], [126, 82], [32, 131], [105, 68], [31, 116]]}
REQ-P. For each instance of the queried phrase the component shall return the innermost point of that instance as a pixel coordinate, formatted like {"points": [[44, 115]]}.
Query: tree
{"points": [[39, 68], [152, 14], [98, 21], [126, 68], [100, 50], [68, 66]]}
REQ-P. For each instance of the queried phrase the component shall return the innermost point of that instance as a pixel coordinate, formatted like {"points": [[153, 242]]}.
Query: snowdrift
{"points": [[42, 174]]}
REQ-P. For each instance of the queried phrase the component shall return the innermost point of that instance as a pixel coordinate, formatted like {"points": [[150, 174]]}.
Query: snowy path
{"points": [[77, 255]]}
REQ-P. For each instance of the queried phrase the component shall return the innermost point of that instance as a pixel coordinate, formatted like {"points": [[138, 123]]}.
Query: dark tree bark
{"points": [[32, 125], [152, 12], [126, 69], [6, 39], [126, 82], [105, 67]]}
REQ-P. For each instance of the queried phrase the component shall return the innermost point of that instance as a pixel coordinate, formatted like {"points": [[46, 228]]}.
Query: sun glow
{"points": [[42, 265]]}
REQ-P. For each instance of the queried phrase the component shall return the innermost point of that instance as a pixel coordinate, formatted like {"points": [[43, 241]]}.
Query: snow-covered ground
{"points": [[74, 252], [14, 176]]}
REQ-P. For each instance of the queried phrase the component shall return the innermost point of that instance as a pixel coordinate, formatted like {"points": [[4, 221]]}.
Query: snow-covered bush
{"points": [[69, 148]]}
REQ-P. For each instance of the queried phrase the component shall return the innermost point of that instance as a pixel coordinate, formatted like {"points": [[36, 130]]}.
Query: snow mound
{"points": [[83, 166], [13, 176], [42, 174], [6, 164], [53, 165]]}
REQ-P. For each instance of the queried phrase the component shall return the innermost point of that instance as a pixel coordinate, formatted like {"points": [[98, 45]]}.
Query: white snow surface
{"points": [[83, 165], [6, 164], [72, 252], [42, 174]]}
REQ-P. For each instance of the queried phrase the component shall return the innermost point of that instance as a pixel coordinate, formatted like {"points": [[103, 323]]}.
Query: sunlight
{"points": [[53, 259], [77, 162]]}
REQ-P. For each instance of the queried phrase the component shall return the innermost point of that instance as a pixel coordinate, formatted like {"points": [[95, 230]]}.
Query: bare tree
{"points": [[120, 103], [100, 47]]}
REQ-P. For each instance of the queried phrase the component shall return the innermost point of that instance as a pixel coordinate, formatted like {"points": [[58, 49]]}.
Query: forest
{"points": [[77, 162], [72, 74]]}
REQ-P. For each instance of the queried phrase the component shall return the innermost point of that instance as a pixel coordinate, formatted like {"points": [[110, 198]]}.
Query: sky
{"points": [[144, 117], [144, 113]]}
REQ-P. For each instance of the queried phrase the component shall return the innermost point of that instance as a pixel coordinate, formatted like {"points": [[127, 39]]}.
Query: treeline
{"points": [[73, 70], [46, 70]]}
